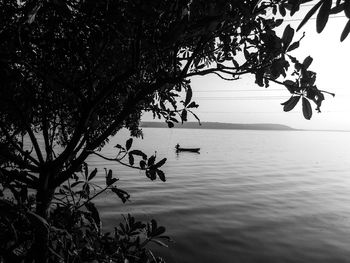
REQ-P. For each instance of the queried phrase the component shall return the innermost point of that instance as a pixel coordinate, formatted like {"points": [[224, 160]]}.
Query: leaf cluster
{"points": [[324, 9]]}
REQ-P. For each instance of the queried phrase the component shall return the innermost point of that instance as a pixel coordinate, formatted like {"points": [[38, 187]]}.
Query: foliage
{"points": [[325, 8], [73, 73], [74, 228]]}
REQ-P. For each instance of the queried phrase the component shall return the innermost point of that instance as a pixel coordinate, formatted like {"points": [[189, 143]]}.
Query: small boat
{"points": [[180, 149]]}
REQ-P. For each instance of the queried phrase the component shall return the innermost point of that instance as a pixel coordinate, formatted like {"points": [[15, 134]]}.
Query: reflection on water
{"points": [[249, 196]]}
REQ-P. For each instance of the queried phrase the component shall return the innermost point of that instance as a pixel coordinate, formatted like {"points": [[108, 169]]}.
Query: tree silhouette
{"points": [[73, 73]]}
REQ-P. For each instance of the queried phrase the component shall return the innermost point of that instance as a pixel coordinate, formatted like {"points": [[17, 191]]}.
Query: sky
{"points": [[242, 101]]}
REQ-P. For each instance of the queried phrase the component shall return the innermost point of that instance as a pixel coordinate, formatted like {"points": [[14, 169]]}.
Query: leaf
{"points": [[161, 175], [142, 164], [151, 160], [170, 124], [131, 159], [197, 118], [94, 213], [108, 176], [188, 95], [76, 183], [323, 15], [124, 196], [337, 9], [33, 13], [307, 62], [287, 36], [347, 8], [118, 146], [184, 115], [307, 111], [111, 181], [128, 144], [282, 10], [160, 230], [345, 32], [86, 189], [310, 14], [290, 104], [293, 46], [92, 174], [192, 105], [139, 153], [160, 163], [290, 85], [86, 170], [151, 174]]}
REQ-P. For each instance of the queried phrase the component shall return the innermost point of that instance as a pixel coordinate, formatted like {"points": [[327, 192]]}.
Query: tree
{"points": [[73, 73]]}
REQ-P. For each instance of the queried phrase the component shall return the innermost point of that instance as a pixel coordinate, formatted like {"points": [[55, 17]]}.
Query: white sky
{"points": [[243, 101]]}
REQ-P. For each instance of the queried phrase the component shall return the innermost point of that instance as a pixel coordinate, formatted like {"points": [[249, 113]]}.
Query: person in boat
{"points": [[177, 146]]}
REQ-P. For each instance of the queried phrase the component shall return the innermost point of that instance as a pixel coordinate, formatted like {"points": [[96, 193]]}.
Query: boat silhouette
{"points": [[181, 149]]}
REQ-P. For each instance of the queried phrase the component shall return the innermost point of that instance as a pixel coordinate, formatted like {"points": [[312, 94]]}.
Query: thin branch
{"points": [[17, 147], [222, 77], [85, 117]]}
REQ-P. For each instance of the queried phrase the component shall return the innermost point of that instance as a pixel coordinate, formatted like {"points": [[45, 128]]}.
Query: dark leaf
{"points": [[86, 171], [307, 62], [184, 115], [128, 144], [151, 160], [131, 159], [282, 10], [346, 31], [323, 15], [33, 13], [94, 213], [86, 189], [287, 36], [139, 153], [124, 196], [307, 111], [142, 164], [290, 85], [119, 146], [76, 183], [293, 46], [92, 174], [170, 124], [290, 104], [160, 163], [111, 181], [160, 230], [337, 9], [161, 175], [197, 118], [347, 8], [108, 176], [188, 95], [310, 14], [192, 105], [151, 174], [295, 7]]}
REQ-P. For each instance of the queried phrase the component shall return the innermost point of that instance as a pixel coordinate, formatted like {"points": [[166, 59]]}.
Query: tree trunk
{"points": [[40, 249]]}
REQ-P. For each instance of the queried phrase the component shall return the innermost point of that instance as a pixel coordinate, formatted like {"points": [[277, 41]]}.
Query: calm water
{"points": [[249, 196]]}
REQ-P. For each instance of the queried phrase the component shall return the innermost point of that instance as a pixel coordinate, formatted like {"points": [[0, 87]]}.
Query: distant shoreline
{"points": [[220, 126]]}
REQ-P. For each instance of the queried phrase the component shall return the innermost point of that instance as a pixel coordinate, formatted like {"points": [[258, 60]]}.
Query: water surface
{"points": [[249, 196]]}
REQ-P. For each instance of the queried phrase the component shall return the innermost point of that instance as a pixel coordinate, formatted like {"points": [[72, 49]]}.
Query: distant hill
{"points": [[219, 125]]}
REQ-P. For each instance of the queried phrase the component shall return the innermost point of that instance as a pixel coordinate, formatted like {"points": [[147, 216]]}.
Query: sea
{"points": [[248, 196]]}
